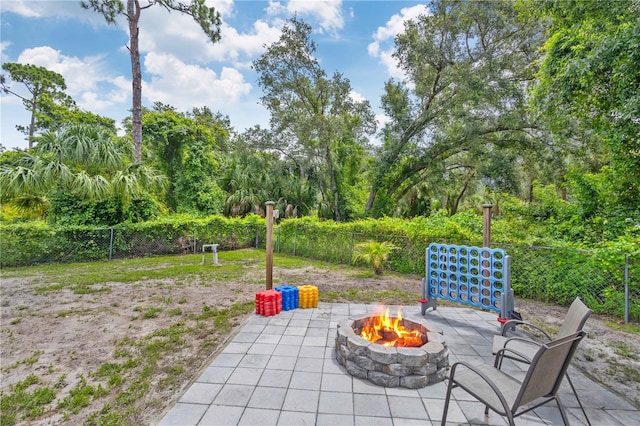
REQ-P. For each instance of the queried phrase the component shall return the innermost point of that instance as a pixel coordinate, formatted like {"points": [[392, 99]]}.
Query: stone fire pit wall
{"points": [[408, 367]]}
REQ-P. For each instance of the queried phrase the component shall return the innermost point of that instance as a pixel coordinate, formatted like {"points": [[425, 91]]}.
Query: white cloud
{"points": [[24, 8], [185, 86], [85, 77], [328, 13], [357, 97], [382, 47], [275, 8], [238, 47], [4, 45], [60, 9], [224, 7], [178, 35]]}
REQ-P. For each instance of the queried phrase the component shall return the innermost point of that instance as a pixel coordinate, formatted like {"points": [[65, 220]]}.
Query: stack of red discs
{"points": [[268, 303]]}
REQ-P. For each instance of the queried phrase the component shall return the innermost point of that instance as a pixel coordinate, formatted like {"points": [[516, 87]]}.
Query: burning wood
{"points": [[390, 331]]}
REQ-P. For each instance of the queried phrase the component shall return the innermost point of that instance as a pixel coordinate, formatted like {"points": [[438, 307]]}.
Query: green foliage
{"points": [[589, 73], [183, 148], [37, 242], [374, 254], [80, 167]]}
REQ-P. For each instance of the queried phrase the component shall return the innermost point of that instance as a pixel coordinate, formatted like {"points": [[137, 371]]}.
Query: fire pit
{"points": [[391, 351]]}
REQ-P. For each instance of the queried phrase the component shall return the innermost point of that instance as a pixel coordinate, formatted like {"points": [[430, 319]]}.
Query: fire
{"points": [[388, 331]]}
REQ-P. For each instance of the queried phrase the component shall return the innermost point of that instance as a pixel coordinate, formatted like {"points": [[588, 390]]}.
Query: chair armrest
{"points": [[512, 324], [502, 353], [521, 340]]}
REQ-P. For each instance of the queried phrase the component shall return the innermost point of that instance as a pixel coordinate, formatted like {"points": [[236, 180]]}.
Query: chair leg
{"points": [[578, 398], [563, 412], [446, 404]]}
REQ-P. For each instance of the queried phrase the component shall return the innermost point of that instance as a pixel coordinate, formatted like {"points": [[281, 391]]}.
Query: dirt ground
{"points": [[63, 337]]}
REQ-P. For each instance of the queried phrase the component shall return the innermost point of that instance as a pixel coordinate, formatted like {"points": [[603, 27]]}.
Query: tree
{"points": [[43, 86], [84, 162], [50, 107], [184, 148], [272, 169], [207, 17], [590, 72], [315, 117], [468, 65]]}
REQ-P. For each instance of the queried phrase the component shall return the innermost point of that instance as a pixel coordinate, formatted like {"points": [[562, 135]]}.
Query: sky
{"points": [[180, 66]]}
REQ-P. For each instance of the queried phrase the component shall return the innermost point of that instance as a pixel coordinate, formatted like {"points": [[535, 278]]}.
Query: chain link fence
{"points": [[607, 282]]}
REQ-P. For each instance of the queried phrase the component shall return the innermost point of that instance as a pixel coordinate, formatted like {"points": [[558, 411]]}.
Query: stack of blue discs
{"points": [[290, 298]]}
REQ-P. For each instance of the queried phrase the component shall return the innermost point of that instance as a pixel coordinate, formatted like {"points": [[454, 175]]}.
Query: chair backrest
{"points": [[576, 317], [548, 368]]}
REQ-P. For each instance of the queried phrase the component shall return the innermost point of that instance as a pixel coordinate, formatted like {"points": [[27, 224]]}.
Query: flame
{"points": [[388, 331]]}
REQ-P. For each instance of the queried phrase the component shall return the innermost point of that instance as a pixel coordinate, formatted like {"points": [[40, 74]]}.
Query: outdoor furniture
{"points": [[214, 251], [505, 394], [523, 350]]}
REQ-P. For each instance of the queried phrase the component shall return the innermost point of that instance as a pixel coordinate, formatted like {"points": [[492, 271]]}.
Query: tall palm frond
{"points": [[91, 187], [15, 181], [26, 204]]}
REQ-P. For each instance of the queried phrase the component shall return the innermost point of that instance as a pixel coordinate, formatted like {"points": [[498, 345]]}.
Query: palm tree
{"points": [[85, 160], [374, 254]]}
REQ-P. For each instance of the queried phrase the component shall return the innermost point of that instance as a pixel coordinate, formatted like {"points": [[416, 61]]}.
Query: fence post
{"points": [[111, 244], [295, 240], [257, 231], [195, 240], [486, 225], [351, 249], [278, 239], [626, 289]]}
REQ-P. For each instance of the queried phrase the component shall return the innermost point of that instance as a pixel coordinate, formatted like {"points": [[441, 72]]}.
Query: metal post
{"points": [[269, 244], [351, 249], [295, 240], [194, 240], [278, 239], [486, 225], [626, 289], [111, 244]]}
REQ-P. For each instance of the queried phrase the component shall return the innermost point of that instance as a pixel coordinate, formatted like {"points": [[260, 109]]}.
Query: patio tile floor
{"points": [[281, 370]]}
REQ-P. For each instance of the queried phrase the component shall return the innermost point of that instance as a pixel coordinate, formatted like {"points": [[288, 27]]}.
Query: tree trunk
{"points": [[372, 198], [333, 184], [32, 124], [530, 190], [456, 203], [133, 10]]}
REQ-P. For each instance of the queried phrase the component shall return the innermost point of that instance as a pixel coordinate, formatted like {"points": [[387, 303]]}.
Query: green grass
{"points": [[25, 401], [629, 328], [625, 350], [93, 278], [151, 313], [81, 396]]}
